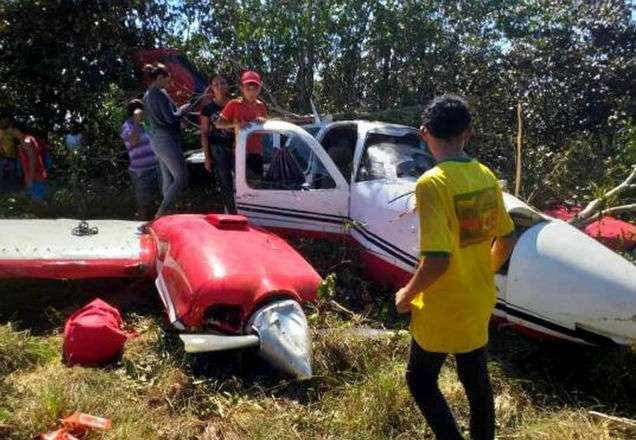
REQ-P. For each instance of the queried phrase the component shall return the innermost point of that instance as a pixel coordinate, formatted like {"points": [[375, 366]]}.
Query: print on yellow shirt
{"points": [[477, 215]]}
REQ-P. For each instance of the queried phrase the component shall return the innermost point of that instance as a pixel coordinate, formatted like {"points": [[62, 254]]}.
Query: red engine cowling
{"points": [[220, 262]]}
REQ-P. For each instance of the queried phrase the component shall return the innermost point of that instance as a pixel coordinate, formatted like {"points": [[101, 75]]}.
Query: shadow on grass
{"points": [[42, 306]]}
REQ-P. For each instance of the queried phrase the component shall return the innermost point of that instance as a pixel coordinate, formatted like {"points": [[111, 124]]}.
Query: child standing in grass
{"points": [[31, 156], [143, 161], [465, 237]]}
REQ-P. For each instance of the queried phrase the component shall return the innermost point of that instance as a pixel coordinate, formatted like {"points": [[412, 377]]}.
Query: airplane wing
{"points": [[58, 249]]}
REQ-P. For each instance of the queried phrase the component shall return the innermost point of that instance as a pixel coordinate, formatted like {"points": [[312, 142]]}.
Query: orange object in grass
{"points": [[81, 421]]}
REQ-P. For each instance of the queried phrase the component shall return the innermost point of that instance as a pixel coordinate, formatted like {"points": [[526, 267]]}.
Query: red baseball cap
{"points": [[250, 76]]}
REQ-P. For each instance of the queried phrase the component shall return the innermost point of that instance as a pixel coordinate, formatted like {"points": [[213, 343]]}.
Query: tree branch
{"points": [[594, 206], [518, 155], [609, 211]]}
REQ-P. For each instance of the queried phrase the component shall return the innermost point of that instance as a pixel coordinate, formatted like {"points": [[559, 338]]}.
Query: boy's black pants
{"points": [[421, 376]]}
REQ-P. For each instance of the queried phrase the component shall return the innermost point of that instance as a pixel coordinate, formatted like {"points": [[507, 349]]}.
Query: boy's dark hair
{"points": [[134, 105], [446, 116]]}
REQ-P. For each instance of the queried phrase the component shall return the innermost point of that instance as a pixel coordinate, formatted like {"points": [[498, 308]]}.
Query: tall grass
{"points": [[20, 351], [158, 392]]}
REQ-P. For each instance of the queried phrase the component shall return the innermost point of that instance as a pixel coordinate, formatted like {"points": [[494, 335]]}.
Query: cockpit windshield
{"points": [[392, 157]]}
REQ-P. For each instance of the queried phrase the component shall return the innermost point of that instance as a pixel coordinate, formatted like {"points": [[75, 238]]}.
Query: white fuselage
{"points": [[559, 282]]}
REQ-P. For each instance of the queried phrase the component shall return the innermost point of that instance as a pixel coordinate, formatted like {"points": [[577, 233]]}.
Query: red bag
{"points": [[93, 335]]}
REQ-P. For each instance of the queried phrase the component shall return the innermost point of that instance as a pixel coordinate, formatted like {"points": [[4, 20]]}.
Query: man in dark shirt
{"points": [[165, 120], [218, 144]]}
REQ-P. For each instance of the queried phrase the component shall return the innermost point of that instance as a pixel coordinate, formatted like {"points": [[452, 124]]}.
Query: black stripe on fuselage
{"points": [[387, 247], [292, 211], [577, 333], [308, 216], [332, 219]]}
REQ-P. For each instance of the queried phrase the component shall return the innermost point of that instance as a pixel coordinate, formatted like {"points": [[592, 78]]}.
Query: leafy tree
{"points": [[58, 57], [569, 64]]}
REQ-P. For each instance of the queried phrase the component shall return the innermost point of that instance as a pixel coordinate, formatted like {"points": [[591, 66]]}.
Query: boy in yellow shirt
{"points": [[465, 237]]}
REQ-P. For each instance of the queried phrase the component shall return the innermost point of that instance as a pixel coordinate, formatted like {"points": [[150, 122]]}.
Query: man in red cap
{"points": [[239, 112]]}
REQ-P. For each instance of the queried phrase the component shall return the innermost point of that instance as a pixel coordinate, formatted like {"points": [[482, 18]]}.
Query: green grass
{"points": [[158, 392], [20, 351]]}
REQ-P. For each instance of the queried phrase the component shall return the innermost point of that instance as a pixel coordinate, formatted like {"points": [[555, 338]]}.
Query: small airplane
{"points": [[224, 284], [356, 179]]}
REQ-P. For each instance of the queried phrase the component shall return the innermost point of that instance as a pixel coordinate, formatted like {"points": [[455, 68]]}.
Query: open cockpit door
{"points": [[285, 180]]}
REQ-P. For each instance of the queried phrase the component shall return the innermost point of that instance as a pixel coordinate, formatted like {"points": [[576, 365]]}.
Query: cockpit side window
{"points": [[392, 157], [286, 162], [340, 145]]}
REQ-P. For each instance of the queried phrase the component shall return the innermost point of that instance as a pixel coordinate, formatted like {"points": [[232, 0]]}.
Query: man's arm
{"points": [[130, 134], [165, 110], [501, 250], [27, 147], [264, 118], [225, 121], [505, 233], [135, 131], [184, 109], [429, 271], [205, 142], [435, 243]]}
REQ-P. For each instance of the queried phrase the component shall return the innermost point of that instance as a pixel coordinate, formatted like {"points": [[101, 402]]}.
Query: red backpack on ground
{"points": [[93, 335]]}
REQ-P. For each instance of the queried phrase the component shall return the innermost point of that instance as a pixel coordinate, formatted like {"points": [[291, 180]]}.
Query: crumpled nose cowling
{"points": [[283, 332], [211, 263]]}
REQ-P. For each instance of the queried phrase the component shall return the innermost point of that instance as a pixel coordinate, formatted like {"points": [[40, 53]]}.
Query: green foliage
{"points": [[327, 288], [57, 58], [568, 63]]}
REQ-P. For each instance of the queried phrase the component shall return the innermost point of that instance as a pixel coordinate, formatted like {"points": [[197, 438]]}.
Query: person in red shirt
{"points": [[239, 112], [31, 156]]}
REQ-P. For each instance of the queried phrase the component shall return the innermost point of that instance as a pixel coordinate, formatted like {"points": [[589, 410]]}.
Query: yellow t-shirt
{"points": [[461, 211]]}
